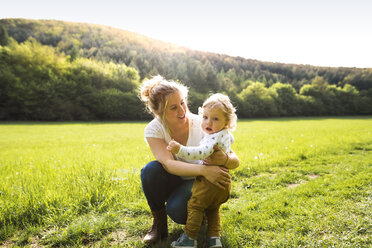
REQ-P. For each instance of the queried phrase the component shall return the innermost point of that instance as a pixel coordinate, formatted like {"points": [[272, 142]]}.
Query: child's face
{"points": [[214, 120]]}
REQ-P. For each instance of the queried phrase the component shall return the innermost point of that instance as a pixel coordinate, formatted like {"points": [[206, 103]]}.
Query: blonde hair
{"points": [[153, 93], [221, 101]]}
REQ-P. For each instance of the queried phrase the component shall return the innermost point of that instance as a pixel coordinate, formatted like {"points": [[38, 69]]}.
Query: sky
{"points": [[317, 32]]}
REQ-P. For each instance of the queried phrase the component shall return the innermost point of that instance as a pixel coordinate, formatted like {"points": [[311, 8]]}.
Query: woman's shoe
{"points": [[159, 228]]}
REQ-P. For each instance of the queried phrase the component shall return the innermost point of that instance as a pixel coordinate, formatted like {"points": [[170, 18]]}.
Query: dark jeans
{"points": [[161, 187]]}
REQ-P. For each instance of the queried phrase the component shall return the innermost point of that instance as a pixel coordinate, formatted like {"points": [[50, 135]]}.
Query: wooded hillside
{"points": [[54, 70]]}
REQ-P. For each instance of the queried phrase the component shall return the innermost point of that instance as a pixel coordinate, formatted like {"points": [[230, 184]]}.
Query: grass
{"points": [[302, 182]]}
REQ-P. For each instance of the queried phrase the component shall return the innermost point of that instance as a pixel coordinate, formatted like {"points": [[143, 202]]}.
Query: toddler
{"points": [[218, 119]]}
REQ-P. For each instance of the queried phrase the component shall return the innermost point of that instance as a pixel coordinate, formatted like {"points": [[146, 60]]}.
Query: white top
{"points": [[222, 139], [156, 129]]}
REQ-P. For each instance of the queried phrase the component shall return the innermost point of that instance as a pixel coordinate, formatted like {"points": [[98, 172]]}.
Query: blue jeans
{"points": [[161, 187]]}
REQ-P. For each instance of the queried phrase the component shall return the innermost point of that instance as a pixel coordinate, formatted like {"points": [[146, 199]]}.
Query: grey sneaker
{"points": [[184, 242], [214, 242]]}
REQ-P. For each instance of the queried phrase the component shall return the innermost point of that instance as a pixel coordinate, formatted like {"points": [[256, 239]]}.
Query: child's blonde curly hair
{"points": [[221, 101]]}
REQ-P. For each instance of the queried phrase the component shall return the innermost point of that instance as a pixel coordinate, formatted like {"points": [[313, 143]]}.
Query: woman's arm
{"points": [[216, 175]]}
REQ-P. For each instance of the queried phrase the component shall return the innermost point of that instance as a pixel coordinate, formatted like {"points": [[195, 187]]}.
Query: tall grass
{"points": [[301, 182], [53, 173]]}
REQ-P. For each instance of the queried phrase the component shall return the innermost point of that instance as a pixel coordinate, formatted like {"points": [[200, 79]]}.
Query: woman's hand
{"points": [[218, 157], [217, 175]]}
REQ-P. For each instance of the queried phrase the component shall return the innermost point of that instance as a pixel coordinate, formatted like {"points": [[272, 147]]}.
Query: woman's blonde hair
{"points": [[153, 93], [221, 101]]}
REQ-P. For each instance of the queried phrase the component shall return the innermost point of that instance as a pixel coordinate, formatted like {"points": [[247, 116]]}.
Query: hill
{"points": [[150, 56], [250, 83]]}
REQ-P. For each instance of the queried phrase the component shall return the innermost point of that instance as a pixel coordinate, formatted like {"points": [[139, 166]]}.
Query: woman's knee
{"points": [[151, 171], [177, 212]]}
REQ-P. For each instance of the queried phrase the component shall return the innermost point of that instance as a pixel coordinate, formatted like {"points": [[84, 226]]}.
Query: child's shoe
{"points": [[214, 242], [184, 242]]}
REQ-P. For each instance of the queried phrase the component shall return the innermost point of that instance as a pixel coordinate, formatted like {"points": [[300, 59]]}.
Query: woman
{"points": [[167, 182]]}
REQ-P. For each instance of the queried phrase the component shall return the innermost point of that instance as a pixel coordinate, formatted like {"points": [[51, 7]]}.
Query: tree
{"points": [[365, 102], [319, 83], [4, 38], [313, 105], [286, 99], [256, 101], [349, 98]]}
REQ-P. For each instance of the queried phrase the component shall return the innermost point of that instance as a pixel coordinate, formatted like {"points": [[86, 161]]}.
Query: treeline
{"points": [[38, 83], [53, 70], [316, 99]]}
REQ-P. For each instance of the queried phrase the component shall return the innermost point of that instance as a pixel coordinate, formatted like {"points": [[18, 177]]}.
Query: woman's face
{"points": [[176, 109]]}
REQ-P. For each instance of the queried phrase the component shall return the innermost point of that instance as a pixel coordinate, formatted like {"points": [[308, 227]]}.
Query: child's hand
{"points": [[173, 146]]}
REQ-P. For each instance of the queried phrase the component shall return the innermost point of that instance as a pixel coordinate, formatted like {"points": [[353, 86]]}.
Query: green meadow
{"points": [[302, 182]]}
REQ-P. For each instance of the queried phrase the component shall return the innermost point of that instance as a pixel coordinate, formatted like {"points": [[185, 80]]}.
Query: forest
{"points": [[55, 70]]}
